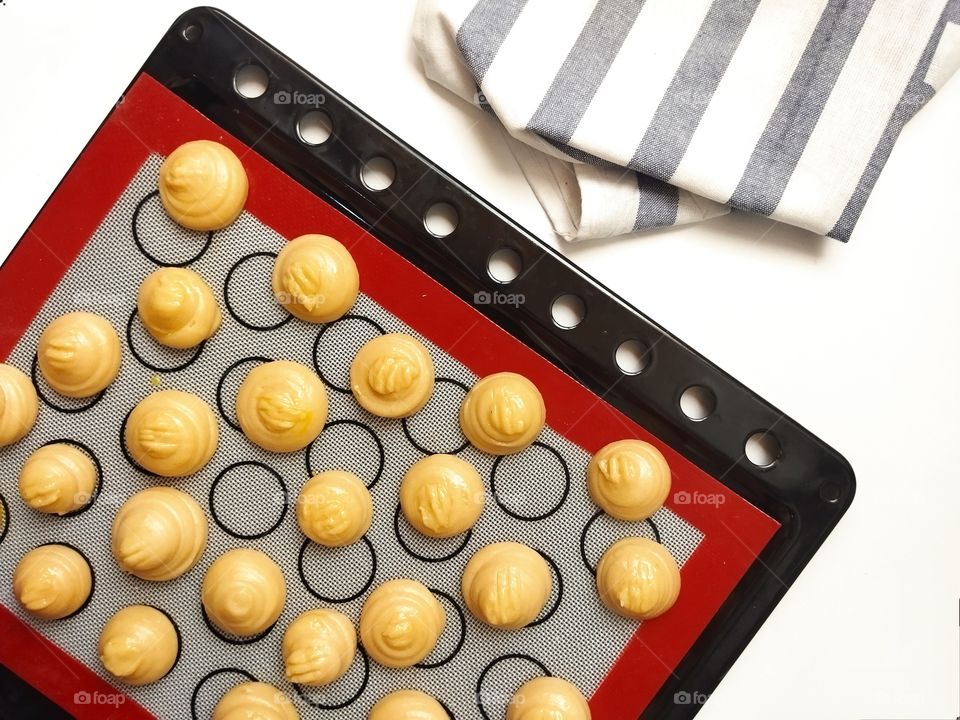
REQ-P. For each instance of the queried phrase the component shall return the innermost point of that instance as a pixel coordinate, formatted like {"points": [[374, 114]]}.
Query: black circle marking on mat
{"points": [[93, 576], [463, 634], [413, 553], [586, 529], [176, 629], [355, 423], [94, 399], [324, 598], [96, 464], [349, 701], [223, 380], [202, 681], [213, 507], [230, 309], [493, 663], [426, 451], [233, 640], [6, 518], [549, 511], [316, 348], [156, 260], [123, 446], [446, 709], [556, 605], [156, 368]]}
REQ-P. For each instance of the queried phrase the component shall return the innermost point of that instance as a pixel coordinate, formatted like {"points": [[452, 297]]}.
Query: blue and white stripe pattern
{"points": [[632, 114]]}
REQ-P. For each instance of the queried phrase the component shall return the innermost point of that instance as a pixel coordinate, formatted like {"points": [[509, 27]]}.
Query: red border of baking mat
{"points": [[151, 119]]}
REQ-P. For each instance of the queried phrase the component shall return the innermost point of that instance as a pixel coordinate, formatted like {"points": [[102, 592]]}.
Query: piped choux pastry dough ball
{"points": [[58, 479], [243, 592], [19, 405], [629, 479], [316, 279], [400, 623], [407, 705], [255, 701], [318, 647], [392, 376], [79, 354], [506, 585], [503, 414], [52, 581], [159, 534], [139, 645], [638, 578], [548, 698], [203, 185], [334, 508], [172, 433], [178, 308], [282, 406], [442, 496]]}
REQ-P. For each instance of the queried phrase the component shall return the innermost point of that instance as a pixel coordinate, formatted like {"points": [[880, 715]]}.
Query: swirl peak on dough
{"points": [[318, 647], [203, 185], [408, 705], [506, 585], [315, 278], [548, 698], [255, 701], [282, 406], [503, 414], [243, 592], [138, 645], [58, 478], [334, 508], [79, 354], [172, 433], [178, 308], [629, 479], [638, 578], [400, 623], [392, 375], [19, 405], [52, 581], [442, 496], [159, 534]]}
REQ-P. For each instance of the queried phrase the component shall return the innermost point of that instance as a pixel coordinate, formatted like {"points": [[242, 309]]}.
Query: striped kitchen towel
{"points": [[631, 114]]}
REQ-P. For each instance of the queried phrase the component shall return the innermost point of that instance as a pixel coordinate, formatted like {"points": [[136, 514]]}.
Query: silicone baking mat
{"points": [[103, 232]]}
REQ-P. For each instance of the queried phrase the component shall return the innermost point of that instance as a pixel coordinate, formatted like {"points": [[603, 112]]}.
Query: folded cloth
{"points": [[631, 114]]}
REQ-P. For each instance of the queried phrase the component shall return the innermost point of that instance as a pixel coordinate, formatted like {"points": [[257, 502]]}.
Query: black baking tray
{"points": [[807, 488]]}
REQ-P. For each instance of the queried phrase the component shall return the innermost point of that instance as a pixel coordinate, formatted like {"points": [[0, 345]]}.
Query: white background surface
{"points": [[859, 342]]}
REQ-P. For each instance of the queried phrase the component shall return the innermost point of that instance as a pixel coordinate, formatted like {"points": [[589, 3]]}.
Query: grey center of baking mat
{"points": [[252, 492]]}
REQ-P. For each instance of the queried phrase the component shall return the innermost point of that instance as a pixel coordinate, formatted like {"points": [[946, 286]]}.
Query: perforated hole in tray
{"points": [[632, 357], [505, 265], [249, 500], [378, 173], [568, 311], [441, 219], [762, 448], [315, 127], [698, 402], [251, 81]]}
